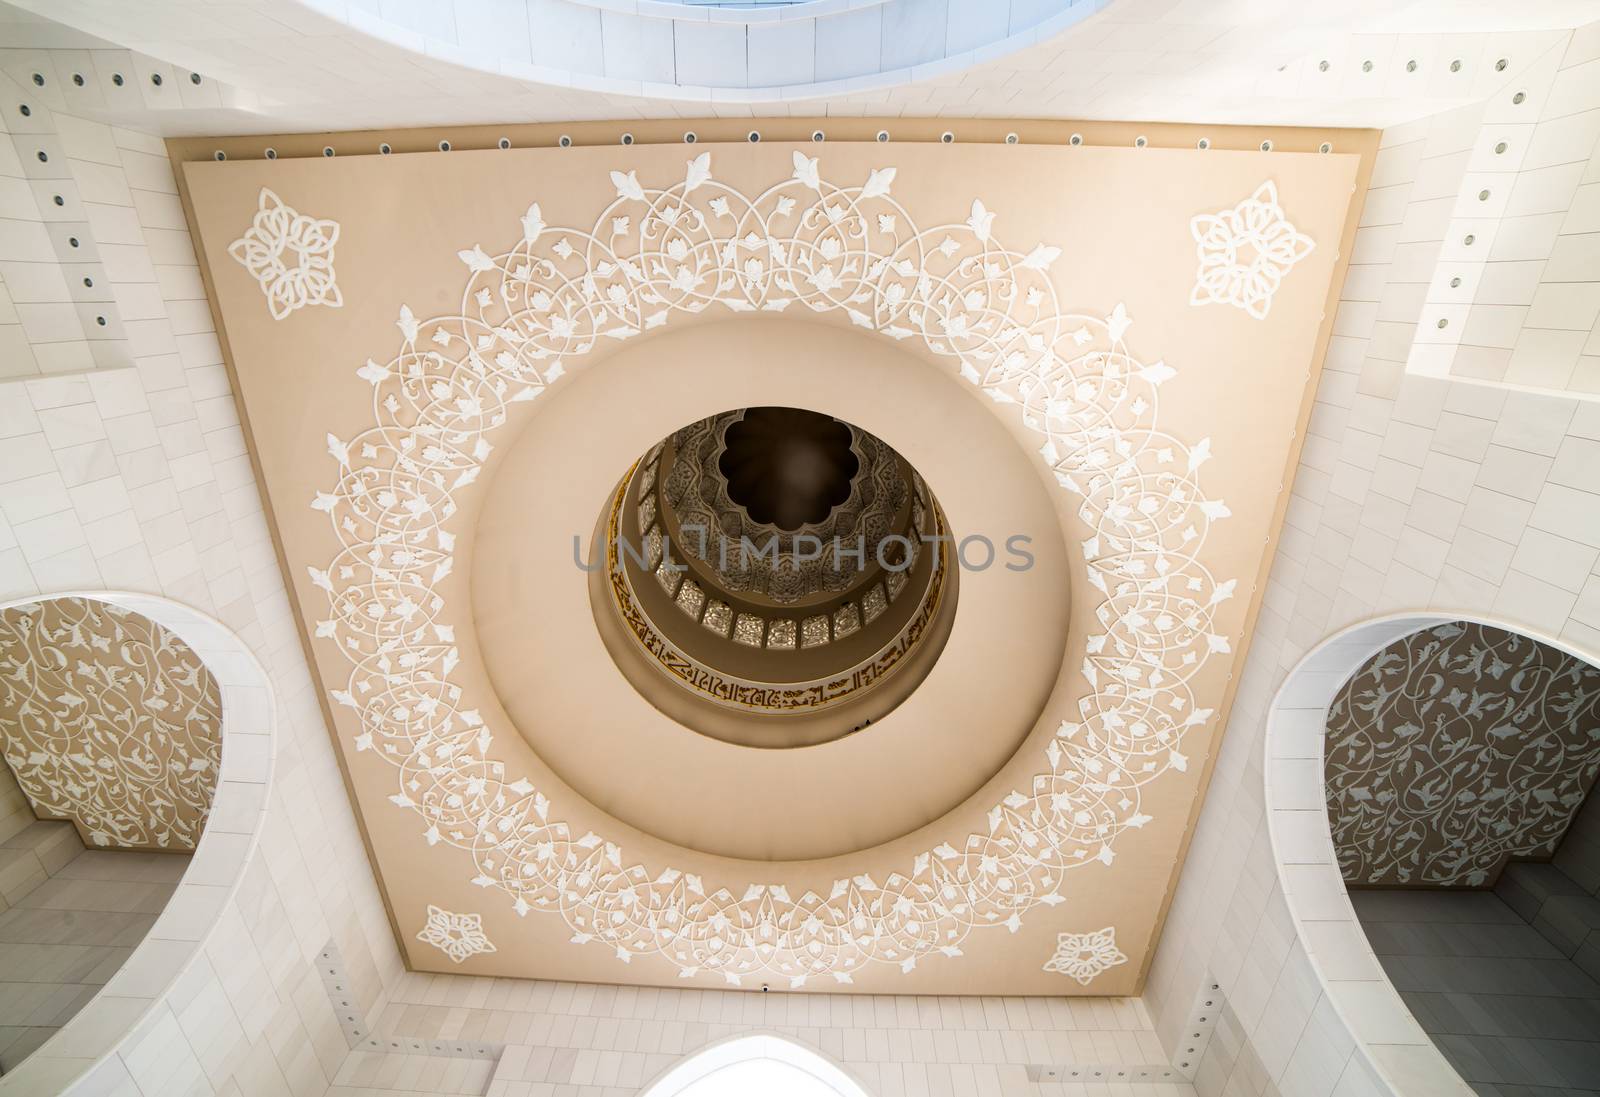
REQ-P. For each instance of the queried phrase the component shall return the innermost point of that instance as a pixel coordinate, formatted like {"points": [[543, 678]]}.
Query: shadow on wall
{"points": [[1459, 758], [145, 728], [1368, 1014]]}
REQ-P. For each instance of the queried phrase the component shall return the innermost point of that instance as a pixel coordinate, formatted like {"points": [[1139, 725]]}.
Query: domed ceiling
{"points": [[519, 413]]}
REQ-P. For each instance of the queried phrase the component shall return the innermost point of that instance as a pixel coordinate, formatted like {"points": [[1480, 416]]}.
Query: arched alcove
{"points": [[225, 844], [755, 1063], [1325, 918]]}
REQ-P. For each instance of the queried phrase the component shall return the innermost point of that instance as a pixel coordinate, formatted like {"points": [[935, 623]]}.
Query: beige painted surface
{"points": [[550, 669], [109, 721], [1125, 239]]}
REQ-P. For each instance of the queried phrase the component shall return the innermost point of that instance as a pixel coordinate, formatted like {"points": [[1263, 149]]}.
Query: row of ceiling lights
{"points": [[1322, 66], [754, 137], [1411, 65], [116, 78]]}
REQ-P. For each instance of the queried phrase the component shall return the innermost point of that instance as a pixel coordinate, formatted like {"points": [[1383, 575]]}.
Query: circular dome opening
{"points": [[788, 467], [774, 577]]}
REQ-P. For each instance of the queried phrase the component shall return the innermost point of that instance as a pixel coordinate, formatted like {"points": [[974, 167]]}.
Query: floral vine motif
{"points": [[458, 936], [109, 720], [1455, 748], [278, 237], [1085, 955], [1245, 252], [803, 244]]}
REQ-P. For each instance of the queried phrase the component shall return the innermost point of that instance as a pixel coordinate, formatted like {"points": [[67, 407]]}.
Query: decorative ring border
{"points": [[962, 295], [815, 695]]}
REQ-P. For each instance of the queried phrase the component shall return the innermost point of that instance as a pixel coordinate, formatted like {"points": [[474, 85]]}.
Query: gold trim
{"points": [[748, 696]]}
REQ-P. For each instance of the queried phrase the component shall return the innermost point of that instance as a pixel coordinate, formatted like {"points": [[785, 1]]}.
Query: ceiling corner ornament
{"points": [[804, 244], [290, 255], [110, 721], [458, 936], [1082, 956], [1245, 252]]}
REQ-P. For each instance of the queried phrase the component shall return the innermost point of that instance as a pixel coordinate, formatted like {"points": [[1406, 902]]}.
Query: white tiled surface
{"points": [[1520, 304], [1413, 494], [359, 64], [1506, 1006], [70, 933]]}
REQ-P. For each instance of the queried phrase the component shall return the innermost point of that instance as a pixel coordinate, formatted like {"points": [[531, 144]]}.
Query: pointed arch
{"points": [[71, 1061], [1399, 1052], [755, 1063]]}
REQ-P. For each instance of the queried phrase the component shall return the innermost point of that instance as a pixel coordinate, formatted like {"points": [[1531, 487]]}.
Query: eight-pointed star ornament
{"points": [[290, 255], [1085, 955], [1245, 252], [458, 936]]}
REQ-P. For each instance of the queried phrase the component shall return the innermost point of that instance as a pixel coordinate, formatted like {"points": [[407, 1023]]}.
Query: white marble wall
{"points": [[137, 479], [70, 930], [282, 66], [1413, 493], [1516, 296]]}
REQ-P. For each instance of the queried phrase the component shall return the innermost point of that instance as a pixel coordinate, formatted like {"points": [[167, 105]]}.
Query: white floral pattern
{"points": [[458, 936], [1454, 749], [1245, 252], [804, 244], [1085, 955], [290, 255], [109, 720]]}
